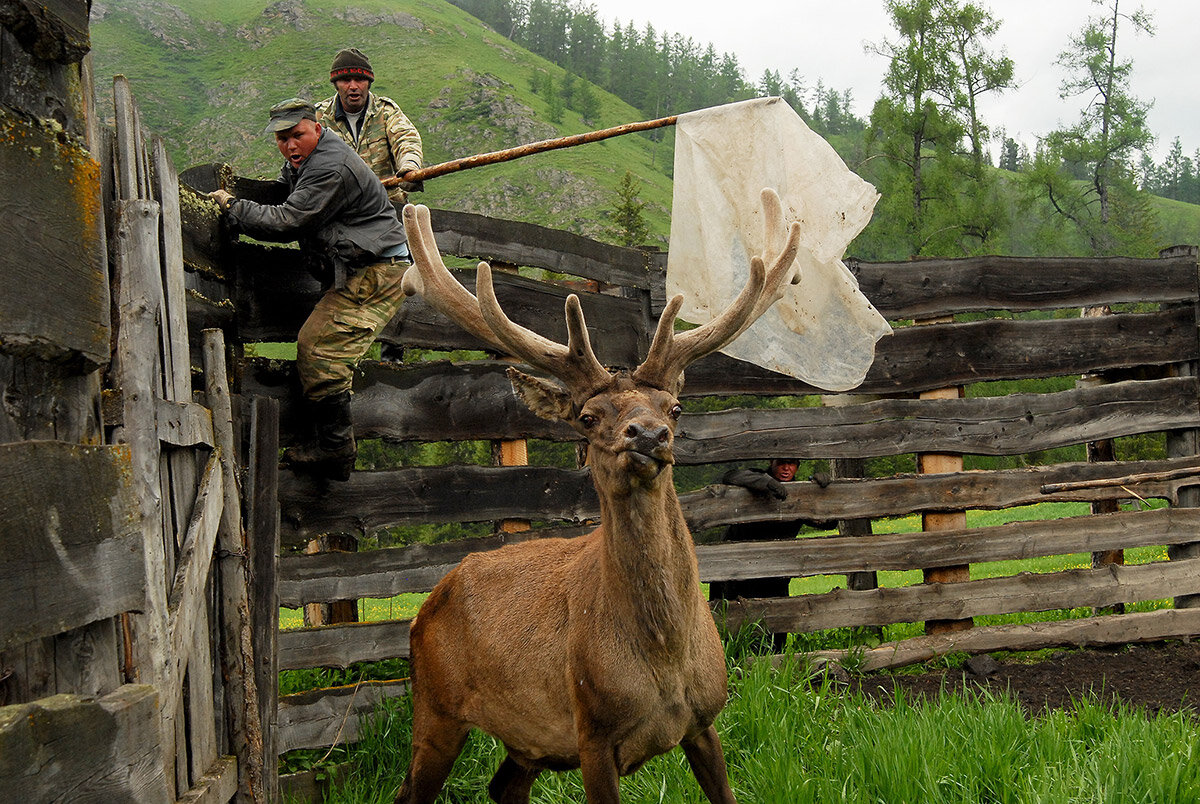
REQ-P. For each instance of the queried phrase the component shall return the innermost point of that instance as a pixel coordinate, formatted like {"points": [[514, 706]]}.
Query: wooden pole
{"points": [[938, 463], [237, 655], [509, 154]]}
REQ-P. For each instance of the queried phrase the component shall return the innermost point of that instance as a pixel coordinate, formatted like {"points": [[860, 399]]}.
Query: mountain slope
{"points": [[205, 71]]}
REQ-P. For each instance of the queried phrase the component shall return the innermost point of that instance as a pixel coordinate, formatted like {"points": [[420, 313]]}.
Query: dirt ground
{"points": [[1154, 677]]}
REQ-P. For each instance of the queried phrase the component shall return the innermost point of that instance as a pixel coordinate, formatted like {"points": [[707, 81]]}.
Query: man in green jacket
{"points": [[351, 239], [371, 124]]}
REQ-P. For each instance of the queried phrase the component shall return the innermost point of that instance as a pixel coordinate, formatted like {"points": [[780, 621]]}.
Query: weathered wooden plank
{"points": [[183, 424], [1008, 425], [67, 748], [371, 500], [233, 579], [1025, 592], [48, 401], [70, 547], [1014, 541], [313, 786], [262, 544], [217, 786], [86, 660], [1148, 626], [275, 294], [467, 235], [903, 494], [374, 573], [445, 401], [325, 717], [940, 355], [56, 298], [930, 288], [417, 568], [187, 610], [137, 373], [435, 401], [343, 644]]}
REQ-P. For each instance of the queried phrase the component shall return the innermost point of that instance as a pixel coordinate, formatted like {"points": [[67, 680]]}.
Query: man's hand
{"points": [[223, 198], [757, 483]]}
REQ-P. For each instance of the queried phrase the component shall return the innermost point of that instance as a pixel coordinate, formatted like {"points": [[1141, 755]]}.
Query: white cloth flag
{"points": [[823, 330]]}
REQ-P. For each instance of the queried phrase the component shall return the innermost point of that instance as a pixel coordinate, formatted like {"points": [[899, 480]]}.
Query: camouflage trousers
{"points": [[343, 325]]}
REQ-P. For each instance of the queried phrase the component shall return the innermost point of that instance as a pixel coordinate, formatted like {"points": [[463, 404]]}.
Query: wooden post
{"points": [[237, 654], [135, 258], [262, 517], [937, 463], [1185, 443], [510, 453]]}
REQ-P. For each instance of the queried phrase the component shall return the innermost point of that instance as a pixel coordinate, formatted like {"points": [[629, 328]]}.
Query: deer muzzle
{"points": [[648, 448]]}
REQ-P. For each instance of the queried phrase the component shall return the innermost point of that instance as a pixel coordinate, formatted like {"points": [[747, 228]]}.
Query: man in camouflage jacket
{"points": [[371, 124]]}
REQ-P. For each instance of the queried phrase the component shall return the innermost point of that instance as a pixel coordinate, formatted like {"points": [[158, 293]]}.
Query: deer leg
{"points": [[512, 783], [598, 765], [707, 761], [434, 750]]}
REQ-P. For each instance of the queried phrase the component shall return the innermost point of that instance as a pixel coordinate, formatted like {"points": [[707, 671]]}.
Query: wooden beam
{"points": [[183, 424], [930, 288], [188, 598], [68, 748], [1026, 592], [915, 359], [216, 786], [69, 537], [342, 645], [320, 718], [55, 304], [262, 538], [1121, 629], [237, 637]]}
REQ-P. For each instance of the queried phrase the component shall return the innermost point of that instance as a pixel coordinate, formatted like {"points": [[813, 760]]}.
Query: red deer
{"points": [[597, 652]]}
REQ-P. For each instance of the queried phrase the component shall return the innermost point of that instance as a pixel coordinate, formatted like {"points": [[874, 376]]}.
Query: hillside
{"points": [[205, 71]]}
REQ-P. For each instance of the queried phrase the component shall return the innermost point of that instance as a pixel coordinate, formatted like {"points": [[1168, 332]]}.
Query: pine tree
{"points": [[629, 221]]}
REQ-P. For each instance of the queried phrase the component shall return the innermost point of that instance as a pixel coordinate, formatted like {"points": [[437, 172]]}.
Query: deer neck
{"points": [[650, 561]]}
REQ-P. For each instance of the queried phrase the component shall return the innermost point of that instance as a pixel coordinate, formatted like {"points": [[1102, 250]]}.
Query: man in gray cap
{"points": [[371, 124], [351, 238]]}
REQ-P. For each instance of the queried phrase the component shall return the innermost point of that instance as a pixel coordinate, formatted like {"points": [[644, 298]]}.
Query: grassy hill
{"points": [[205, 71]]}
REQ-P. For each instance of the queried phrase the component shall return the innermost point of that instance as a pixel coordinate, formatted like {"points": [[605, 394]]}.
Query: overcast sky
{"points": [[824, 39]]}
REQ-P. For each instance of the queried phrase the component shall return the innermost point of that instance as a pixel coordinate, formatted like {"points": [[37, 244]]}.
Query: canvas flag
{"points": [[823, 330]]}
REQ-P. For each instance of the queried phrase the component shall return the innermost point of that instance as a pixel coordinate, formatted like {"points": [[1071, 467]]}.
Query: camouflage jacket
{"points": [[388, 142]]}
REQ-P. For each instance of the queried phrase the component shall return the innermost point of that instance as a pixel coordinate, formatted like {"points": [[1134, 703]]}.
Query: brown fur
{"points": [[599, 652]]}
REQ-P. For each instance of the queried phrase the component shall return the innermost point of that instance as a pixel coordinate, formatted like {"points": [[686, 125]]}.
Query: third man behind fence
{"points": [[371, 124]]}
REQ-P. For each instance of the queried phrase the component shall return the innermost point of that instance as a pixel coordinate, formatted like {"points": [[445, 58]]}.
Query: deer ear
{"points": [[546, 398]]}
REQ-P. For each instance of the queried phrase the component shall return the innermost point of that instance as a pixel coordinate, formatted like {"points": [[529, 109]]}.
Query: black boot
{"points": [[332, 453]]}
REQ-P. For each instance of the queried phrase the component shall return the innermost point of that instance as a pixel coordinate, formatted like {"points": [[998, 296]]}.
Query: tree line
{"points": [[925, 144]]}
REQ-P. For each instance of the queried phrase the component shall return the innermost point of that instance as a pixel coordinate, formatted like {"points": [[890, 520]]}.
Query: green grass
{"points": [[788, 742]]}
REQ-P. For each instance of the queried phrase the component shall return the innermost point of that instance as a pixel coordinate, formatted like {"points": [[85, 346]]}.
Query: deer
{"points": [[597, 652]]}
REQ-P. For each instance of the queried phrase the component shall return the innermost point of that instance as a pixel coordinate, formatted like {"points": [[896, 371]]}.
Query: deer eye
{"points": [[588, 421], [676, 410]]}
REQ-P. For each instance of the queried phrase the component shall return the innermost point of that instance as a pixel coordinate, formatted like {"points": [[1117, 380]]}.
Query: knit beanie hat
{"points": [[351, 63]]}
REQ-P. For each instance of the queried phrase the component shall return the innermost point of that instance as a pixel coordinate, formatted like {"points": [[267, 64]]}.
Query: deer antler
{"points": [[481, 315], [669, 353]]}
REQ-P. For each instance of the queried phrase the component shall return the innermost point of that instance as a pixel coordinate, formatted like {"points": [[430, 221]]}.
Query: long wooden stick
{"points": [[509, 154], [1127, 480]]}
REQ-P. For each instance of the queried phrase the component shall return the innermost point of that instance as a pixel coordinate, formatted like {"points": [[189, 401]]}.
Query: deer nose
{"points": [[647, 439]]}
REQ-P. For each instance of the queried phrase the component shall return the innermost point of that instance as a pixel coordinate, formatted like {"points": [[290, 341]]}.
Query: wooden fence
{"points": [[141, 490], [127, 667], [960, 325]]}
